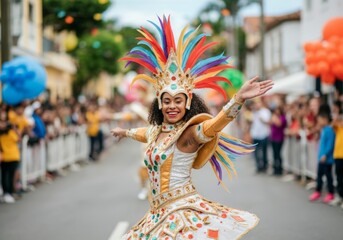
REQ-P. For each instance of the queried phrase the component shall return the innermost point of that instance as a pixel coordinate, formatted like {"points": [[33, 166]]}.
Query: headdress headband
{"points": [[177, 70]]}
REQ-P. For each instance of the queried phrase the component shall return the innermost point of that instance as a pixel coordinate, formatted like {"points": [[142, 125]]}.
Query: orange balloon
{"points": [[340, 52], [333, 58], [323, 67], [310, 58], [328, 78], [337, 70], [317, 46], [321, 55], [312, 70], [333, 28], [308, 47]]}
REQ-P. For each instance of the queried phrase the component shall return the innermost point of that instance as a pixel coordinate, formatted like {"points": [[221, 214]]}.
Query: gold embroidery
{"points": [[165, 174]]}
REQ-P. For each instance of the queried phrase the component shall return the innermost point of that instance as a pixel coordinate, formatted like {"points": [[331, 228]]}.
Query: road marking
{"points": [[119, 231]]}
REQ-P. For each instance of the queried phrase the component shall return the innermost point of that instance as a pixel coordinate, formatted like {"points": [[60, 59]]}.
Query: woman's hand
{"points": [[118, 133], [253, 88]]}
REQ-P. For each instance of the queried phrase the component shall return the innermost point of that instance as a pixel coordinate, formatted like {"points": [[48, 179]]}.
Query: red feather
{"points": [[217, 68], [197, 47], [196, 54], [141, 62], [213, 86], [215, 79]]}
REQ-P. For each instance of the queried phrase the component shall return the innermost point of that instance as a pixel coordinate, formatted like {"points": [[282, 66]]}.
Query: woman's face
{"points": [[173, 108]]}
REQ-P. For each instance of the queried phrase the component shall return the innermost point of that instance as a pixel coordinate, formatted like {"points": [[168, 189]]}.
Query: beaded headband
{"points": [[177, 70]]}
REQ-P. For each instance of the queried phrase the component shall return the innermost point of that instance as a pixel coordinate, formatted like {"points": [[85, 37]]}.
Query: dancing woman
{"points": [[182, 136]]}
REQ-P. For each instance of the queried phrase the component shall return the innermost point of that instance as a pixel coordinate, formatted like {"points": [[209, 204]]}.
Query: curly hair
{"points": [[197, 106]]}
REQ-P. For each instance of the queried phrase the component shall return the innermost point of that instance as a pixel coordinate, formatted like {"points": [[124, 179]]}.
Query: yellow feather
{"points": [[143, 77], [208, 75], [179, 46], [144, 34], [225, 167]]}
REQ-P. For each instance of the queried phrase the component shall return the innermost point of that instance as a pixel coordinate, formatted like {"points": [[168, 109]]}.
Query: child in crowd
{"points": [[325, 157]]}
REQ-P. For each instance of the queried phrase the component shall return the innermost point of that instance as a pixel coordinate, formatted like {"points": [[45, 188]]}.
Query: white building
{"points": [[315, 14]]}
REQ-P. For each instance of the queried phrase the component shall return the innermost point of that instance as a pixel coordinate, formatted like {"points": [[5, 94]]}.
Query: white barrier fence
{"points": [[300, 156], [56, 154]]}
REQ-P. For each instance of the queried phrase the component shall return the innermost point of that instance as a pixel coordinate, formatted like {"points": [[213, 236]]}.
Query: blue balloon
{"points": [[23, 78]]}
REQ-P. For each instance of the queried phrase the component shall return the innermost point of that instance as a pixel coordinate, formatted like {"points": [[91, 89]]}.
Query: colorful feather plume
{"points": [[228, 149], [189, 51]]}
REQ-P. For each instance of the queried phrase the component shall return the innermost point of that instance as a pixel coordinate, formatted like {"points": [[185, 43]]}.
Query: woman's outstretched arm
{"points": [[251, 89], [138, 134]]}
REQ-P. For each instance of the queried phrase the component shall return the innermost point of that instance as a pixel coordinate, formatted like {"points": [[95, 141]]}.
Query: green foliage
{"points": [[79, 16], [96, 54]]}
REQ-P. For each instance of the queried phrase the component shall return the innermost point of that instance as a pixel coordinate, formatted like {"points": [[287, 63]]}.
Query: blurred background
{"points": [[63, 89]]}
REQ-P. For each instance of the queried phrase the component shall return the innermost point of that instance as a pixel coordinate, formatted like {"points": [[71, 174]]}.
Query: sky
{"points": [[137, 12]]}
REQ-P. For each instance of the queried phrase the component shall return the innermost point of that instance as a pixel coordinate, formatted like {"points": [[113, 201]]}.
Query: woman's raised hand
{"points": [[254, 88], [119, 133]]}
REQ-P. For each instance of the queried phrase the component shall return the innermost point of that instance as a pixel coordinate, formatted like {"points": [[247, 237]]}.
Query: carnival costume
{"points": [[177, 210]]}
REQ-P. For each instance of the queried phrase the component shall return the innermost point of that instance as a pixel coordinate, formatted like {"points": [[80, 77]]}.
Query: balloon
{"points": [[323, 67], [23, 78], [312, 70], [235, 76], [333, 28], [310, 58], [337, 70], [333, 58], [308, 47], [321, 55], [70, 41], [328, 78]]}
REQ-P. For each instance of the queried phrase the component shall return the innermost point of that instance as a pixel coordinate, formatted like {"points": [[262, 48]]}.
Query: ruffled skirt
{"points": [[192, 217]]}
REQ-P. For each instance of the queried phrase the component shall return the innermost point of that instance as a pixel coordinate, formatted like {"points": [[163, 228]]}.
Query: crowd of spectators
{"points": [[42, 119]]}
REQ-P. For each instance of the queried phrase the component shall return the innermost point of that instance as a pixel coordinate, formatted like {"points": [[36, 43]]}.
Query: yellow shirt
{"points": [[93, 121], [338, 151], [9, 147], [20, 121]]}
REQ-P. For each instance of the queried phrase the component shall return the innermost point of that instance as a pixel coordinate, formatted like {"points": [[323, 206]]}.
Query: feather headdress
{"points": [[177, 68]]}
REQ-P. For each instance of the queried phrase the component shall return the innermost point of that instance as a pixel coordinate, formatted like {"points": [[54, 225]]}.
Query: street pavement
{"points": [[100, 201]]}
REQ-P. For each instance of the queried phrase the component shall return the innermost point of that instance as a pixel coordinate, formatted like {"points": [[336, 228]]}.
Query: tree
{"points": [[96, 54], [79, 16]]}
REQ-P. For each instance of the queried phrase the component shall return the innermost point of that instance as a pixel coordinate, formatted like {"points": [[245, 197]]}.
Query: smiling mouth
{"points": [[172, 114]]}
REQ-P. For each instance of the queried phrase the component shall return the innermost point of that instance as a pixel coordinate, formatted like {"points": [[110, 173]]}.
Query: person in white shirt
{"points": [[259, 132]]}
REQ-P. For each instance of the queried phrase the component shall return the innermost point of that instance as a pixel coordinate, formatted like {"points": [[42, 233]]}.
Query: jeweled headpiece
{"points": [[177, 70]]}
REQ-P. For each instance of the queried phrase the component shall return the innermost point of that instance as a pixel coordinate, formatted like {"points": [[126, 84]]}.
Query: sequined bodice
{"points": [[168, 169]]}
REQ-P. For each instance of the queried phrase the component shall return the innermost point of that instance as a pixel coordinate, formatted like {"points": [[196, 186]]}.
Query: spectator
{"points": [[93, 127], [278, 124], [260, 131], [325, 157], [10, 157]]}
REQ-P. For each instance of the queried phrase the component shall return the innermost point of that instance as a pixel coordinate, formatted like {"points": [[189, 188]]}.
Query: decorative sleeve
{"points": [[208, 129], [138, 134]]}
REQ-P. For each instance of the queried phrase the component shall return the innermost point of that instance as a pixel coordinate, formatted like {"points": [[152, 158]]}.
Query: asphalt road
{"points": [[98, 201]]}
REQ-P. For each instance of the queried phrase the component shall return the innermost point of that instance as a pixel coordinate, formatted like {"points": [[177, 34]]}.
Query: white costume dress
{"points": [[177, 210]]}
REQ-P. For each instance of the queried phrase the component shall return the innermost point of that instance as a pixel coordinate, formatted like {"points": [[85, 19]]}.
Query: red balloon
{"points": [[328, 78], [333, 28], [323, 67]]}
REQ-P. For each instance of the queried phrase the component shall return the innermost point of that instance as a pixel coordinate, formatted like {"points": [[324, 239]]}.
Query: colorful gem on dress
{"points": [[213, 233]]}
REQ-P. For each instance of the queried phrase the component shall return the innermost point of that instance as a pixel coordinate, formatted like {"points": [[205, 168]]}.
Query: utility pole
{"points": [[262, 30], [6, 36]]}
